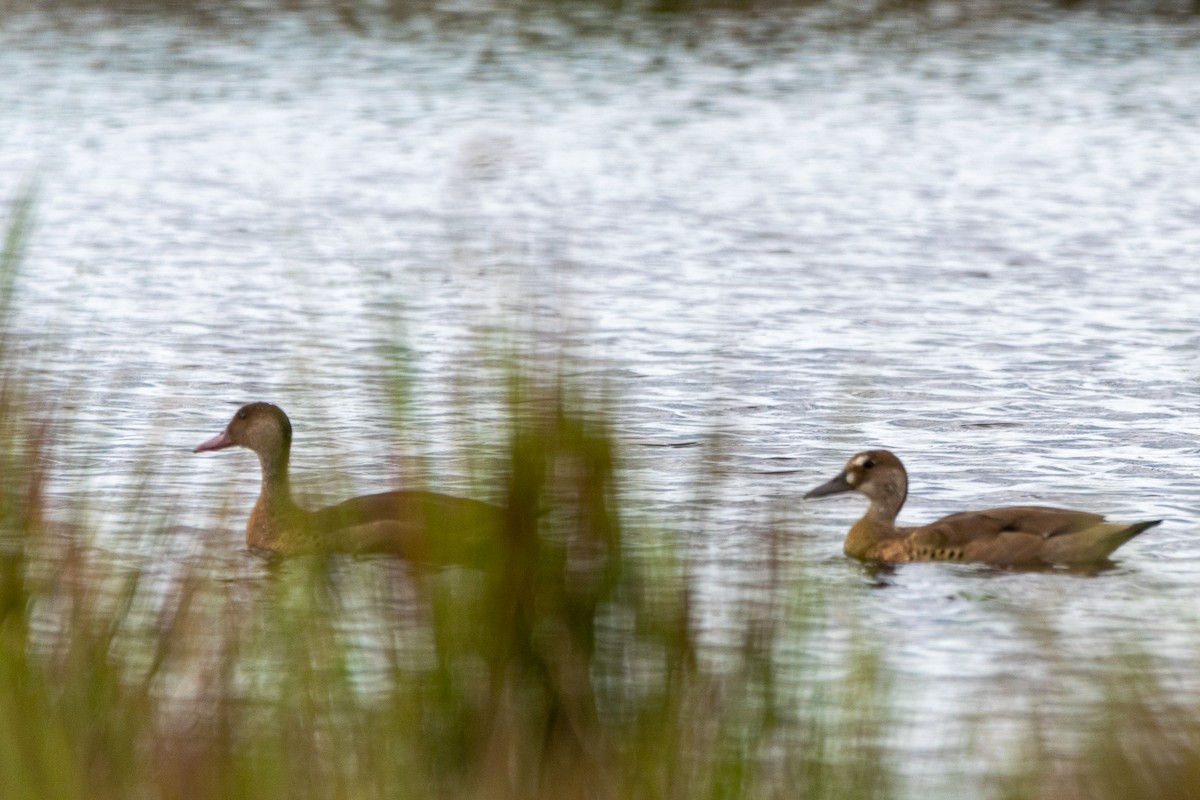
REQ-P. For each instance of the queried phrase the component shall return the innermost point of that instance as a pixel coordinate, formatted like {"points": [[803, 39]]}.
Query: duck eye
{"points": [[867, 463], [241, 415]]}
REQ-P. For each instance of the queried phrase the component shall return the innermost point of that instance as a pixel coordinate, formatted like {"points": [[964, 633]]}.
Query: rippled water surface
{"points": [[975, 246]]}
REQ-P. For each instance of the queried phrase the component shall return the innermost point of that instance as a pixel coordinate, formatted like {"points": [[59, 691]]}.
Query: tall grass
{"points": [[572, 664]]}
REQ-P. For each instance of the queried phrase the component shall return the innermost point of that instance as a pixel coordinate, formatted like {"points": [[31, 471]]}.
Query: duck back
{"points": [[416, 525]]}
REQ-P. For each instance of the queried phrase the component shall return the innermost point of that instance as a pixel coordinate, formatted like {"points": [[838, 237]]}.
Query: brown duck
{"points": [[420, 526], [1019, 535]]}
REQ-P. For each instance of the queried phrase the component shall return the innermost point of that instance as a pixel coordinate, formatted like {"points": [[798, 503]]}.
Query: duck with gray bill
{"points": [[415, 525], [1012, 536]]}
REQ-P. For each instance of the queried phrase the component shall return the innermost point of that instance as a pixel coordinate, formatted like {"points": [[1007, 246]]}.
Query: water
{"points": [[973, 245]]}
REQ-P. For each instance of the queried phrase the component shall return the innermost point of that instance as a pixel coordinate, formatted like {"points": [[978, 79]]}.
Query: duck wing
{"points": [[1041, 521], [1020, 535], [419, 526]]}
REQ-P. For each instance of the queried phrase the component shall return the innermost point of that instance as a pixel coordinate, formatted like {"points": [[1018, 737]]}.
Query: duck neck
{"points": [[878, 524], [276, 491]]}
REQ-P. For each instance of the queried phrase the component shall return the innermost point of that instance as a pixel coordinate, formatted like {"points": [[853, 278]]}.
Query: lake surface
{"points": [[973, 244]]}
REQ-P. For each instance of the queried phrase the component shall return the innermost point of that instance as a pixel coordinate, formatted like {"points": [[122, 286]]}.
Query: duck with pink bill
{"points": [[415, 525]]}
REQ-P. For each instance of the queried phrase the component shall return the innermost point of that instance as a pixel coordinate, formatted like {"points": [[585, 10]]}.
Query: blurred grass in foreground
{"points": [[571, 666]]}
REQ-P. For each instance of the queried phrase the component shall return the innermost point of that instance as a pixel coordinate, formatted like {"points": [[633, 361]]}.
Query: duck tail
{"points": [[1119, 537], [1137, 527], [1092, 545]]}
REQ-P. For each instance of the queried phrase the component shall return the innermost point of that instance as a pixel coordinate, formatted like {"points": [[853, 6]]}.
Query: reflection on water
{"points": [[975, 248]]}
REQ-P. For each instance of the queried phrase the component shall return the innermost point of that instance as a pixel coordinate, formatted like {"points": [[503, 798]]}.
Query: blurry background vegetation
{"points": [[363, 15]]}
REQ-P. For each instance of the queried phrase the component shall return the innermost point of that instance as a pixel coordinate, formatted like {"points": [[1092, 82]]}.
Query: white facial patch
{"points": [[851, 478], [860, 460]]}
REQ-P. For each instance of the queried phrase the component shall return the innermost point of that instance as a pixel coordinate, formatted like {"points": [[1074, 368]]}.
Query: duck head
{"points": [[878, 474], [261, 427]]}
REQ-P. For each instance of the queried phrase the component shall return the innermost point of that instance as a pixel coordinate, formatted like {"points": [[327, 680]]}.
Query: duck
{"points": [[1012, 536], [418, 526]]}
